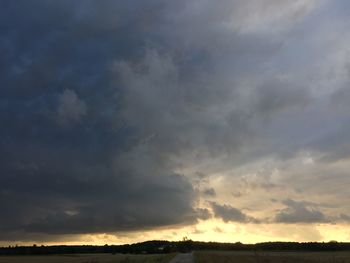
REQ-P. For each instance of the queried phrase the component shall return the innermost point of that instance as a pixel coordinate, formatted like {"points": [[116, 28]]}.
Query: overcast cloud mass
{"points": [[124, 116]]}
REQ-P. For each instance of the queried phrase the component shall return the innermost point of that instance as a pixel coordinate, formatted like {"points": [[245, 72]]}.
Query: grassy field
{"points": [[93, 258], [271, 257]]}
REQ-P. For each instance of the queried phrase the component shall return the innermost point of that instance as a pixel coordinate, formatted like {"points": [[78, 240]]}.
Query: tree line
{"points": [[159, 246]]}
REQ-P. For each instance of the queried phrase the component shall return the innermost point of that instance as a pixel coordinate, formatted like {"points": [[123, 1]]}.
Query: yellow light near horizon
{"points": [[215, 230]]}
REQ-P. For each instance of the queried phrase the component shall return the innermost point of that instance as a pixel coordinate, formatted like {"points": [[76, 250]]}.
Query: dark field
{"points": [[199, 257], [92, 258], [271, 257]]}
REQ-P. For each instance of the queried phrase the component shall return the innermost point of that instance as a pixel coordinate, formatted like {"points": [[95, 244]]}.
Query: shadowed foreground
{"points": [[271, 257], [88, 258], [183, 258]]}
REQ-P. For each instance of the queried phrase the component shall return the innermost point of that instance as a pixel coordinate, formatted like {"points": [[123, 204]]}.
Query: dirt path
{"points": [[183, 258]]}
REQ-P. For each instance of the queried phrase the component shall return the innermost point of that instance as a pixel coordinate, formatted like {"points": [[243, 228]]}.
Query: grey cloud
{"points": [[344, 217], [231, 214], [209, 192], [203, 213], [70, 109], [299, 212]]}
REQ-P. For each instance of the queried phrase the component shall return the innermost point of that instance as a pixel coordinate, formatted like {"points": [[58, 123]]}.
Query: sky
{"points": [[131, 120]]}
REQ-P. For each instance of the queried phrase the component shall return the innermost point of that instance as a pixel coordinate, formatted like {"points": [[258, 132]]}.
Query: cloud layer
{"points": [[130, 115]]}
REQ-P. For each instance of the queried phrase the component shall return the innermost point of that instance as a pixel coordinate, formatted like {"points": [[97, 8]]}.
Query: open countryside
{"points": [[195, 257]]}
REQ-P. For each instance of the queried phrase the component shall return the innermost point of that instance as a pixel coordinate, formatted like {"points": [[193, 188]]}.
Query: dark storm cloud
{"points": [[106, 105], [82, 196], [69, 164]]}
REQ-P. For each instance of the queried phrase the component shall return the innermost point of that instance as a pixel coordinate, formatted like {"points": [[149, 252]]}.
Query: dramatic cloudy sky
{"points": [[123, 121]]}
